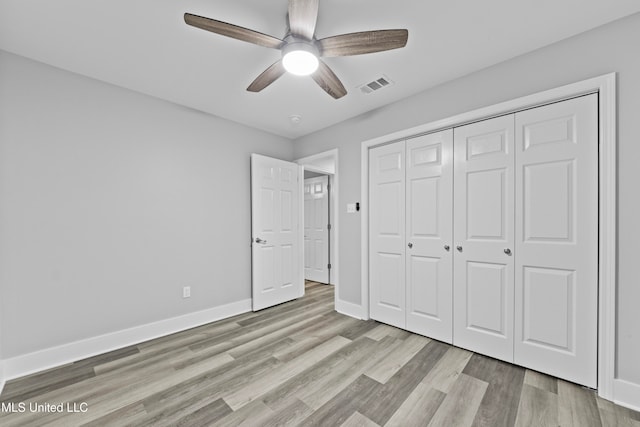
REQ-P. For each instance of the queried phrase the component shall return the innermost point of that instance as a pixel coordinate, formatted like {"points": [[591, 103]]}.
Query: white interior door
{"points": [[429, 211], [483, 235], [387, 234], [316, 232], [556, 283], [276, 235]]}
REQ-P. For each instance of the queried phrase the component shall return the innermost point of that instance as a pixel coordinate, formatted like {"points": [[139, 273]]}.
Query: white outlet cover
{"points": [[351, 208], [186, 292]]}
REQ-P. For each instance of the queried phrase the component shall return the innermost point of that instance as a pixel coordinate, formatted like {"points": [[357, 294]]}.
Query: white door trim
{"points": [[605, 85], [308, 164]]}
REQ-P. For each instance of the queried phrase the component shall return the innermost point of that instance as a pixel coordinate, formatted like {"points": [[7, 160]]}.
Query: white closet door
{"points": [[316, 233], [557, 239], [483, 236], [387, 233], [429, 188]]}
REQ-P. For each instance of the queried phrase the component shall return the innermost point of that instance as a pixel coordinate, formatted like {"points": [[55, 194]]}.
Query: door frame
{"points": [[605, 86], [310, 163]]}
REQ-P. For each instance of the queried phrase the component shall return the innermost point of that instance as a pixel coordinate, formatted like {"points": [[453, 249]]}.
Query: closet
{"points": [[486, 236]]}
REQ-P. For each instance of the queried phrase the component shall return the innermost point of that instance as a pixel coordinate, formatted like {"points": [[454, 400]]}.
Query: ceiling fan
{"points": [[300, 48]]}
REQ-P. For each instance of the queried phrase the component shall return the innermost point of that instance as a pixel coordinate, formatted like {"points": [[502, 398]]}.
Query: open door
{"points": [[276, 234]]}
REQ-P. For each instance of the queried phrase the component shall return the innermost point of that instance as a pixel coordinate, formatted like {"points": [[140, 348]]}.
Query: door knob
{"points": [[410, 245], [447, 247], [507, 251], [459, 248], [259, 240]]}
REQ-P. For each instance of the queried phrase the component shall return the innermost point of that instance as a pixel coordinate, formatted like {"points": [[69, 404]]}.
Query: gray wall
{"points": [[110, 203], [613, 47]]}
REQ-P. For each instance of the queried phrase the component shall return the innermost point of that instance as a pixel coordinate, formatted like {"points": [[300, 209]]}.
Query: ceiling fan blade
{"points": [[267, 77], [328, 81], [363, 42], [303, 15], [233, 31]]}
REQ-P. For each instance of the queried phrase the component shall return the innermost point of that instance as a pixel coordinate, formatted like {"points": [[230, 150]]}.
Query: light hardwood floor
{"points": [[301, 363]]}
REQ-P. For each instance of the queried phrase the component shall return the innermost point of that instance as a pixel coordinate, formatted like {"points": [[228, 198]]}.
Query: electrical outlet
{"points": [[186, 292]]}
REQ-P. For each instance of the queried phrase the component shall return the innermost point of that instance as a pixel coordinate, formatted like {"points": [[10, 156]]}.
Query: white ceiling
{"points": [[144, 45]]}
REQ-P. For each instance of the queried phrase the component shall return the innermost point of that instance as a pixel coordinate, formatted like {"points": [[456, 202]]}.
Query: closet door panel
{"points": [[484, 236], [486, 209], [557, 239], [429, 183], [387, 275], [486, 302]]}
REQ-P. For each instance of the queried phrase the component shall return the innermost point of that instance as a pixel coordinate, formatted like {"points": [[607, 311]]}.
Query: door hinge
{"points": [[328, 226], [328, 266]]}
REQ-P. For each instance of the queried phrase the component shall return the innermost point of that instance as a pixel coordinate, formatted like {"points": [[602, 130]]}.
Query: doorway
{"points": [[319, 165]]}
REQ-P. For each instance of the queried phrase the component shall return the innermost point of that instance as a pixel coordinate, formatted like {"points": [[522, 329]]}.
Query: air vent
{"points": [[376, 84]]}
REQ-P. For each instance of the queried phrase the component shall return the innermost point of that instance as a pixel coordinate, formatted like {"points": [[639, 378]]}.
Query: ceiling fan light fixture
{"points": [[300, 58], [301, 49]]}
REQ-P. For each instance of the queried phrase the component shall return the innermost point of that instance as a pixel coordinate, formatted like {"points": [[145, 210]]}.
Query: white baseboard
{"points": [[626, 394], [350, 309], [2, 380], [41, 360]]}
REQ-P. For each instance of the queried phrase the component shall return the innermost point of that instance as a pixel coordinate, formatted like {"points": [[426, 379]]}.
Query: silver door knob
{"points": [[507, 251], [259, 240], [410, 245], [447, 247], [459, 248]]}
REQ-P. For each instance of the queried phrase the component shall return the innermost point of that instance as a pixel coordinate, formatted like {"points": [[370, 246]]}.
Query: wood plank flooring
{"points": [[302, 364]]}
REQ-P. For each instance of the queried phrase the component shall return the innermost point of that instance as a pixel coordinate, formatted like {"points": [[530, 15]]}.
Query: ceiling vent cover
{"points": [[376, 84]]}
